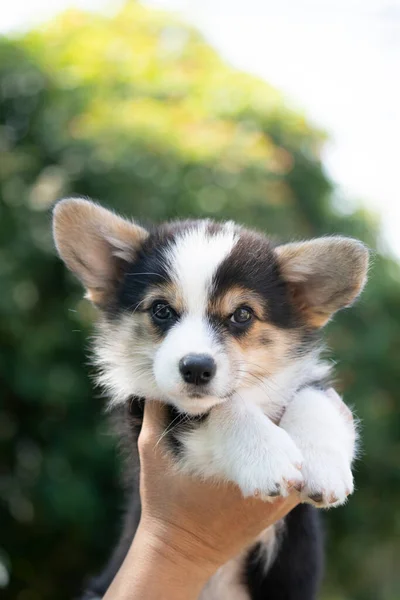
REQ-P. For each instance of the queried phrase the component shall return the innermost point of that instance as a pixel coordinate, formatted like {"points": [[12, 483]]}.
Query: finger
{"points": [[288, 504], [277, 506], [154, 420], [154, 415], [267, 513], [282, 508]]}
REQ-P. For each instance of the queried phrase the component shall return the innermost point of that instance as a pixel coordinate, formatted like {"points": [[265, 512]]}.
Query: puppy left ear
{"points": [[324, 275]]}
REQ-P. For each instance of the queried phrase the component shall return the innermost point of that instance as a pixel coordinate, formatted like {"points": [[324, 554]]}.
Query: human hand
{"points": [[205, 522]]}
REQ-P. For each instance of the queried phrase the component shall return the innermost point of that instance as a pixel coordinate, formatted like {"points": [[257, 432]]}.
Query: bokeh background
{"points": [[134, 108]]}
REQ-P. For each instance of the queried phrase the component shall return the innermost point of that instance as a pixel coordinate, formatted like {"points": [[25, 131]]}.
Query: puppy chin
{"points": [[194, 404], [197, 406]]}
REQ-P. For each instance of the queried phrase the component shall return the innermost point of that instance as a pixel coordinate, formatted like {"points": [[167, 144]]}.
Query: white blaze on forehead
{"points": [[195, 257]]}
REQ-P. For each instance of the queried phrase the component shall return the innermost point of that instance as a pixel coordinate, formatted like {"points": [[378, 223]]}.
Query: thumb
{"points": [[154, 422]]}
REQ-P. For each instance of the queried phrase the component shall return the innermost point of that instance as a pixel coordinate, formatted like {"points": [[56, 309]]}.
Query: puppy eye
{"points": [[161, 311], [242, 315]]}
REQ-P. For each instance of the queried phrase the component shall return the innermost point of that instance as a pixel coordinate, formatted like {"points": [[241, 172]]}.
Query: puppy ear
{"points": [[95, 244], [325, 275]]}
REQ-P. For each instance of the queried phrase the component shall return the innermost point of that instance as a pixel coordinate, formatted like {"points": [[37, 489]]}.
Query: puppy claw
{"points": [[318, 498], [328, 479], [275, 492], [294, 484], [298, 486]]}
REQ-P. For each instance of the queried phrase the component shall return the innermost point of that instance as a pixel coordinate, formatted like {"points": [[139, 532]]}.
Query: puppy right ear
{"points": [[95, 244]]}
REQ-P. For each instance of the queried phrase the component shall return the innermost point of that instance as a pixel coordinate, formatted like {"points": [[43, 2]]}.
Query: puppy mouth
{"points": [[197, 395], [207, 393]]}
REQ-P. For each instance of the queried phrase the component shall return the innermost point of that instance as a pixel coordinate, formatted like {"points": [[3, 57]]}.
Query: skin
{"points": [[186, 530]]}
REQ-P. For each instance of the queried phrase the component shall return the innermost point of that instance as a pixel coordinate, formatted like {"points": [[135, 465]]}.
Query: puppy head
{"points": [[193, 311]]}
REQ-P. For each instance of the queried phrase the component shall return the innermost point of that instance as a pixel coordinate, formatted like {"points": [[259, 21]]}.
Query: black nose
{"points": [[197, 368]]}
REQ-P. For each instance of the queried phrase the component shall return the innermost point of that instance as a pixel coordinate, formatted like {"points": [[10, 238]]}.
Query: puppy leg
{"points": [[237, 442], [326, 438]]}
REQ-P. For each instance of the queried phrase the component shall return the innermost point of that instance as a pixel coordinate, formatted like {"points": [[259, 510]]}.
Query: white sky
{"points": [[339, 60]]}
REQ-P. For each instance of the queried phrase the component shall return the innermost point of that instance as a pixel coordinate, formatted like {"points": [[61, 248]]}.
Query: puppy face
{"points": [[193, 311]]}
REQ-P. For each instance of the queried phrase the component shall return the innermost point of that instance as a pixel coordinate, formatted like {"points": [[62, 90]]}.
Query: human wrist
{"points": [[179, 549], [156, 570]]}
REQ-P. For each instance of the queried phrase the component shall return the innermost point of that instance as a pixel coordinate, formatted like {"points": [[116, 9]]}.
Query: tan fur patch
{"points": [[168, 292], [225, 304], [264, 350], [325, 275], [93, 242]]}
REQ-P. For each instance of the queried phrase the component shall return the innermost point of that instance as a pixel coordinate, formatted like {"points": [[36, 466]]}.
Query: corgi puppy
{"points": [[223, 326]]}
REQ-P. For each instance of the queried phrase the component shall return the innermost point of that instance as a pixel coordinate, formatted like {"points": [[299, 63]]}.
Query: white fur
{"points": [[327, 443], [272, 394], [125, 366], [239, 443], [195, 257]]}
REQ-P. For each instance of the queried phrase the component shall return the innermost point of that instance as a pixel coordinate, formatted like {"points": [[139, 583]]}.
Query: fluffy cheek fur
{"points": [[124, 354]]}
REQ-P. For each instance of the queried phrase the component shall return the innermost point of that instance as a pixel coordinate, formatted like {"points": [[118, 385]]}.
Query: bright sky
{"points": [[339, 60]]}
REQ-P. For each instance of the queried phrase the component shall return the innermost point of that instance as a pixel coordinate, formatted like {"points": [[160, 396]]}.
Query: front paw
{"points": [[274, 469], [328, 478]]}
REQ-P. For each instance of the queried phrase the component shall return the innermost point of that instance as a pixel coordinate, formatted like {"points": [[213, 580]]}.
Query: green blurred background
{"points": [[137, 111]]}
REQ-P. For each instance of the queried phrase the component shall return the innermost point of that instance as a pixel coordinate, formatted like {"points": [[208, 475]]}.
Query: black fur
{"points": [[296, 571], [150, 268], [322, 383]]}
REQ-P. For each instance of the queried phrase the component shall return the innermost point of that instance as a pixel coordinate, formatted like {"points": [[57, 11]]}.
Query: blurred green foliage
{"points": [[138, 111]]}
